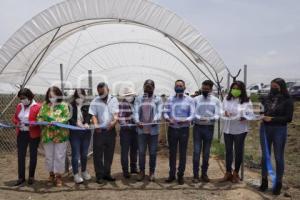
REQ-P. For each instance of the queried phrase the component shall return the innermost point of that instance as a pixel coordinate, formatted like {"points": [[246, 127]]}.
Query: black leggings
{"points": [[236, 141]]}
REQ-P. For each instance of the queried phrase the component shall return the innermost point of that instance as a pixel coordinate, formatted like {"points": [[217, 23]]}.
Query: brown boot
{"points": [[235, 177], [227, 177], [51, 178], [59, 182]]}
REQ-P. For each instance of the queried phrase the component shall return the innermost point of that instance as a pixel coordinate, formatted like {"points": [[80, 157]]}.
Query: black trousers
{"points": [[23, 141], [103, 152], [178, 138], [238, 142]]}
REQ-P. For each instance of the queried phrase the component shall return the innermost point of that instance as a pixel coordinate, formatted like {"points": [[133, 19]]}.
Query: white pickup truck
{"points": [[259, 89]]}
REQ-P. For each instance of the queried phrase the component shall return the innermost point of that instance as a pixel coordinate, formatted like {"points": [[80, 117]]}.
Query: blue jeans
{"points": [[237, 141], [177, 137], [203, 136], [80, 142], [129, 143], [150, 142], [276, 136]]}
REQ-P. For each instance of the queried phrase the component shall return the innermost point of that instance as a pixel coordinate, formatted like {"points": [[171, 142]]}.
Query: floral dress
{"points": [[57, 113]]}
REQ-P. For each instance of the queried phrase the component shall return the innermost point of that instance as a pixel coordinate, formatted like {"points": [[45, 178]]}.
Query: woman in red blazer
{"points": [[27, 111]]}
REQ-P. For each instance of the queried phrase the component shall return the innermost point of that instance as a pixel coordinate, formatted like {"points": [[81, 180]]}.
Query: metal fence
{"points": [[8, 141]]}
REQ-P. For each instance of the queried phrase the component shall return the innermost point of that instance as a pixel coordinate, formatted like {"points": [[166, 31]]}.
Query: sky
{"points": [[265, 35]]}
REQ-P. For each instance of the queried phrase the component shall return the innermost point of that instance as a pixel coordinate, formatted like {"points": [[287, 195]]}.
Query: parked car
{"points": [[290, 84], [265, 90], [254, 88], [295, 91]]}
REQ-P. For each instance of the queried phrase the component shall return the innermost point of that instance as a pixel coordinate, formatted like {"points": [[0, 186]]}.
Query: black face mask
{"points": [[148, 91], [205, 93], [103, 96], [274, 91]]}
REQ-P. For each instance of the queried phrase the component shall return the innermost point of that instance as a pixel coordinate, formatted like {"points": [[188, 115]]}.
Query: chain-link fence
{"points": [[8, 140], [8, 102]]}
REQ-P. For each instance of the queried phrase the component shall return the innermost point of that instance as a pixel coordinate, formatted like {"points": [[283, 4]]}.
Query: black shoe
{"points": [[170, 179], [141, 176], [277, 188], [180, 180], [20, 182], [126, 175], [109, 178], [100, 181], [30, 181], [134, 171], [205, 178], [264, 185], [196, 179]]}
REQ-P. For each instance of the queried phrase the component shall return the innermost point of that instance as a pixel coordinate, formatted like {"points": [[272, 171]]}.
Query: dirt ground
{"points": [[130, 189]]}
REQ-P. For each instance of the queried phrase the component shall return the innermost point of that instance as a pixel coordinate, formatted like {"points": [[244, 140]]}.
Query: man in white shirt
{"points": [[207, 111], [104, 110]]}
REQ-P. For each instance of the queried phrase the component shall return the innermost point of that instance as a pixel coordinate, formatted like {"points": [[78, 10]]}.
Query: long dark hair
{"points": [[58, 93], [244, 97], [77, 94], [283, 87]]}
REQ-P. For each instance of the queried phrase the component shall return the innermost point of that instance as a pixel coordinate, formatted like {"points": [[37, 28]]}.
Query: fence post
{"points": [[90, 77], [62, 78], [243, 163], [67, 164]]}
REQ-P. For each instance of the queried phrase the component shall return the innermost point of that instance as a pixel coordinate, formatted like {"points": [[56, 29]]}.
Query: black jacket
{"points": [[280, 108], [85, 114]]}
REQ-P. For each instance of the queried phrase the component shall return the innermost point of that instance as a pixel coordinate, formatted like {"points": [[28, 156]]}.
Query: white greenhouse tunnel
{"points": [[121, 41]]}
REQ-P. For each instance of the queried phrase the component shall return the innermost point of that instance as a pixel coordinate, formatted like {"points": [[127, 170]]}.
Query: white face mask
{"points": [[25, 102], [79, 101], [129, 99], [53, 99]]}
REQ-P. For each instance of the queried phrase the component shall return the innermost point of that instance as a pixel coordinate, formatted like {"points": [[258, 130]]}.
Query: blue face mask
{"points": [[179, 90]]}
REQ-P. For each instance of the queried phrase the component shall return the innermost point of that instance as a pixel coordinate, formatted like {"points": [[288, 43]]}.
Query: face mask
{"points": [[148, 89], [149, 92], [274, 91], [205, 93], [179, 90], [53, 99], [25, 102], [129, 99], [236, 92], [103, 96], [79, 101]]}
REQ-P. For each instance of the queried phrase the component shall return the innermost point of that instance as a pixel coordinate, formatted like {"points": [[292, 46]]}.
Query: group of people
{"points": [[139, 118]]}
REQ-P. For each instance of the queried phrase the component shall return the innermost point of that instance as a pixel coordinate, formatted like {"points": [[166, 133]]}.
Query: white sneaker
{"points": [[86, 176], [78, 179]]}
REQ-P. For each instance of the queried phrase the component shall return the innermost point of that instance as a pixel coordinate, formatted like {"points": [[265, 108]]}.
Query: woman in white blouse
{"points": [[27, 136], [237, 107]]}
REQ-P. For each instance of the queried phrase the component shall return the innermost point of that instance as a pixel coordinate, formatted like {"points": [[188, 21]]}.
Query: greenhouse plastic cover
{"points": [[121, 41]]}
